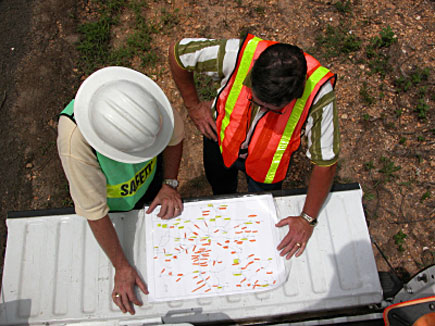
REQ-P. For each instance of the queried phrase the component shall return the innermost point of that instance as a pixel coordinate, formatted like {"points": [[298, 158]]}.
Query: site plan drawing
{"points": [[216, 247]]}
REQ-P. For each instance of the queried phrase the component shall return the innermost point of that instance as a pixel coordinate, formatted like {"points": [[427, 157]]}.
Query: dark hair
{"points": [[278, 75]]}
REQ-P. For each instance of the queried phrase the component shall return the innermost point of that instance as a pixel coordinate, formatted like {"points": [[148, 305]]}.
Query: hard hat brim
{"points": [[82, 113]]}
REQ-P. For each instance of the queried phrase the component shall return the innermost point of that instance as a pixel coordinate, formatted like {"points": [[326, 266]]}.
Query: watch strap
{"points": [[311, 220]]}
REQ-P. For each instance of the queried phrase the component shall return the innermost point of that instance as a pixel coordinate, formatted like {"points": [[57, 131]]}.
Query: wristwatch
{"points": [[173, 183], [311, 220]]}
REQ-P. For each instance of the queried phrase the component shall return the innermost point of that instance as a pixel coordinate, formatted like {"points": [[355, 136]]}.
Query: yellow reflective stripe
{"points": [[243, 70], [116, 191], [312, 81]]}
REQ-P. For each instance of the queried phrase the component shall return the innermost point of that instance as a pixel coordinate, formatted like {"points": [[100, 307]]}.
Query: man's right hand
{"points": [[201, 116], [126, 278]]}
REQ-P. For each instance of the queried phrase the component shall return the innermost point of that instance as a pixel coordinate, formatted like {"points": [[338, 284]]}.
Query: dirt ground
{"points": [[385, 146]]}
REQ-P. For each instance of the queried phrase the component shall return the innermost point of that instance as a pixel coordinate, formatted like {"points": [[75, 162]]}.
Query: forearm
{"points": [[184, 80], [107, 238], [171, 160], [318, 188]]}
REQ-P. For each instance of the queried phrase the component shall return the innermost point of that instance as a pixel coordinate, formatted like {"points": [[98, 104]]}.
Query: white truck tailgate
{"points": [[56, 274]]}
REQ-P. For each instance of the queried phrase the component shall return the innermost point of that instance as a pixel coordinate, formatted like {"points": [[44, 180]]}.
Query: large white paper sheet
{"points": [[216, 247]]}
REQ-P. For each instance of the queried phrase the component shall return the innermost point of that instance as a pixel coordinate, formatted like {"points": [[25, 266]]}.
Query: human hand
{"points": [[201, 116], [170, 201], [297, 237], [123, 295]]}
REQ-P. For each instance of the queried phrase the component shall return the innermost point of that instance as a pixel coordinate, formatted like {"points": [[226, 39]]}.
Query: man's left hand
{"points": [[297, 237], [170, 201]]}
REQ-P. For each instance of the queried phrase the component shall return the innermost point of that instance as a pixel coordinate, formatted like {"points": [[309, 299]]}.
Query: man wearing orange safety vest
{"points": [[269, 92]]}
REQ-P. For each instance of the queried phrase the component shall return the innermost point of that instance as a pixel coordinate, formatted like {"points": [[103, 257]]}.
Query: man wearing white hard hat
{"points": [[109, 141]]}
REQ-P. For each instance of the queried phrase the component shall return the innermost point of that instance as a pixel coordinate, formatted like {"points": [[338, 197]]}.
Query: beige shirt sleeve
{"points": [[87, 182], [178, 134]]}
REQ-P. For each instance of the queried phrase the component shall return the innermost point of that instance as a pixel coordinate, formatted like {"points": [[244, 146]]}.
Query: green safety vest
{"points": [[125, 183]]}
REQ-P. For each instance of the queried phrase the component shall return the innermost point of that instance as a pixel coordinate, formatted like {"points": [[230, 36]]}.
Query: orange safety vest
{"points": [[276, 136]]}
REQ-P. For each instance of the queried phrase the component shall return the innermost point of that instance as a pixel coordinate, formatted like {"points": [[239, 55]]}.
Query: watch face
{"points": [[171, 182], [312, 221]]}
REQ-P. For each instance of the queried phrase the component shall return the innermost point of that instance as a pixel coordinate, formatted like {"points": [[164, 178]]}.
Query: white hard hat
{"points": [[124, 115]]}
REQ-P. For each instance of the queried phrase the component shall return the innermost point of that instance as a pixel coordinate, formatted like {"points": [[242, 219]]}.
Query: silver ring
{"points": [[177, 209], [117, 295], [298, 244]]}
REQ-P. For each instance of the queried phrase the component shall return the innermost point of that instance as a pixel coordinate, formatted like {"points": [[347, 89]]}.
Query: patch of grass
{"points": [[366, 116], [343, 7], [260, 10], [140, 41], [379, 64], [337, 41], [406, 183], [365, 95], [375, 52], [422, 107], [390, 125], [67, 202], [402, 140], [388, 168], [399, 240], [95, 42], [385, 39], [405, 83], [369, 165], [425, 196], [369, 196], [415, 81], [169, 19], [206, 87], [398, 113]]}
